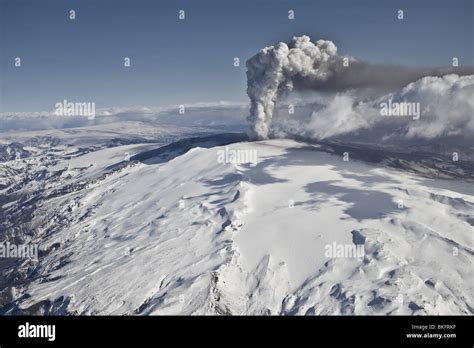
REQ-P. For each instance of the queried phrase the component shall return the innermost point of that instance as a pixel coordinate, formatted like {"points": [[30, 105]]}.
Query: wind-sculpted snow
{"points": [[191, 234]]}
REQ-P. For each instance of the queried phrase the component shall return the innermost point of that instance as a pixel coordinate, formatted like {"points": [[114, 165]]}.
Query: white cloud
{"points": [[446, 109], [223, 113]]}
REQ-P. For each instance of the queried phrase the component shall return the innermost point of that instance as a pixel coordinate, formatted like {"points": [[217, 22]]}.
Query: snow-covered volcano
{"points": [[304, 229]]}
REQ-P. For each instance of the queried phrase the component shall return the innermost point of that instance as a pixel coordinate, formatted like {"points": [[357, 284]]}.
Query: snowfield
{"points": [[187, 234]]}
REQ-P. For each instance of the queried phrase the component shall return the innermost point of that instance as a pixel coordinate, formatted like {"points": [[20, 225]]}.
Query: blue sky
{"points": [[182, 62]]}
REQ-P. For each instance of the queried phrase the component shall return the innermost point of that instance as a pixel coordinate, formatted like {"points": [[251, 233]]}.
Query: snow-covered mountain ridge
{"points": [[186, 233]]}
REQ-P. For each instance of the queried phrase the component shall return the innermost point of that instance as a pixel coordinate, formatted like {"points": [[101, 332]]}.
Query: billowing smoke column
{"points": [[272, 70], [305, 65]]}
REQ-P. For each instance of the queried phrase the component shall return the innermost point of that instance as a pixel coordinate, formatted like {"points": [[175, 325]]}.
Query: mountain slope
{"points": [[193, 235]]}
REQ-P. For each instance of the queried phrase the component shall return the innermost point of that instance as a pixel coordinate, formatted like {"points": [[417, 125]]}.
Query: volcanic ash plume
{"points": [[304, 65], [273, 70]]}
